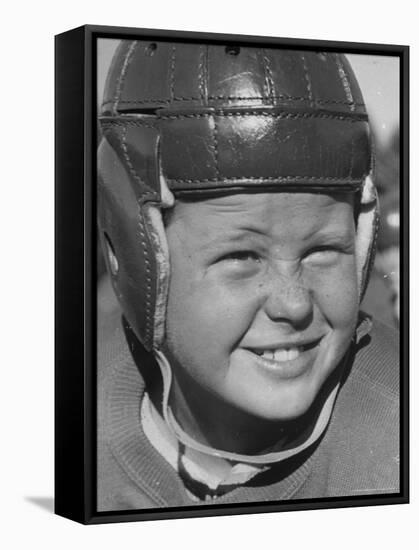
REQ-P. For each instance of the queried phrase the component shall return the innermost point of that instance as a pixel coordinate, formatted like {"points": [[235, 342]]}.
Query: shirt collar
{"points": [[205, 475]]}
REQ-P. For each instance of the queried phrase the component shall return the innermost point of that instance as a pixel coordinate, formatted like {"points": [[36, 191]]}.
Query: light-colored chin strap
{"points": [[367, 225]]}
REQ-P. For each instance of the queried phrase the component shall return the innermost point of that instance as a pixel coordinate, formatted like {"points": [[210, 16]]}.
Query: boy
{"points": [[238, 218]]}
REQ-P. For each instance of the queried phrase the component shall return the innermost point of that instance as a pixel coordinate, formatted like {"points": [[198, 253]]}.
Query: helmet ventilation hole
{"points": [[232, 50], [110, 252], [151, 49]]}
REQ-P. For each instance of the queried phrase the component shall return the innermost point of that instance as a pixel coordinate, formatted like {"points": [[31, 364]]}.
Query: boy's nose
{"points": [[289, 302]]}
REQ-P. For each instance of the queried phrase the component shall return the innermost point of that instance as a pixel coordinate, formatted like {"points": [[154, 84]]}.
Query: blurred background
{"points": [[378, 77]]}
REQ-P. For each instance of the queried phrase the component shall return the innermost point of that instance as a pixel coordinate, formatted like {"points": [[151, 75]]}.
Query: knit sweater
{"points": [[358, 454]]}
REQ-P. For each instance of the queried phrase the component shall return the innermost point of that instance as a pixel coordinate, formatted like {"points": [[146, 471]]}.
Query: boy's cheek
{"points": [[335, 292], [219, 309], [206, 319]]}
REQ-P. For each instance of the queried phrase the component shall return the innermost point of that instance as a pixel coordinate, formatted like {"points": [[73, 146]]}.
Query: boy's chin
{"points": [[282, 413], [303, 401]]}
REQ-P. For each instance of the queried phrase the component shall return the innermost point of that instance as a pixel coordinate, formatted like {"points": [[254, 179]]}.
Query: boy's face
{"points": [[263, 298]]}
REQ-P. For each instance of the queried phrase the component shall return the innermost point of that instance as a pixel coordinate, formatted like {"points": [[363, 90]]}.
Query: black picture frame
{"points": [[75, 249]]}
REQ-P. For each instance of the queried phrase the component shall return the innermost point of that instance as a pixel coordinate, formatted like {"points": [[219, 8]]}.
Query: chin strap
{"points": [[268, 458]]}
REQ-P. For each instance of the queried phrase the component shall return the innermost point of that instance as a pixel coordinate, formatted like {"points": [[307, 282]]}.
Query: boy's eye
{"points": [[241, 256], [239, 264], [323, 255]]}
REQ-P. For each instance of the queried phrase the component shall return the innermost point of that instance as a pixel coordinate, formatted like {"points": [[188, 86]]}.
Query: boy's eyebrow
{"points": [[252, 229], [235, 235], [333, 231], [242, 234], [215, 243]]}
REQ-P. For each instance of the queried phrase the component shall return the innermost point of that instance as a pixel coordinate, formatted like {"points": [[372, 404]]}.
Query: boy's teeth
{"points": [[281, 354]]}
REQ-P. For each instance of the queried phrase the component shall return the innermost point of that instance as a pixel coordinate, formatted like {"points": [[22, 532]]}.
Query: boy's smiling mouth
{"points": [[288, 360], [279, 351]]}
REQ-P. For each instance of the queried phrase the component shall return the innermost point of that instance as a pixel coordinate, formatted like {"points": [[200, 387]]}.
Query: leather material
{"points": [[191, 75], [251, 118], [254, 117], [252, 148], [121, 206]]}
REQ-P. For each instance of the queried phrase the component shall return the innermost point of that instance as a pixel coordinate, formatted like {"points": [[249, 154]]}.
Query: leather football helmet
{"points": [[184, 119]]}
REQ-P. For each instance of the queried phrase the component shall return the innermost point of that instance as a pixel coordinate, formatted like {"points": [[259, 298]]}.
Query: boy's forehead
{"points": [[262, 209]]}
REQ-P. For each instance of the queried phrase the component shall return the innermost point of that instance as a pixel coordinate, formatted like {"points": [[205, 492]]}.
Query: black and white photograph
{"points": [[209, 220], [248, 259]]}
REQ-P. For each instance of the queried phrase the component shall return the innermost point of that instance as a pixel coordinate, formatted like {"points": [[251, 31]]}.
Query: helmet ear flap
{"points": [[125, 238], [367, 229], [131, 193]]}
